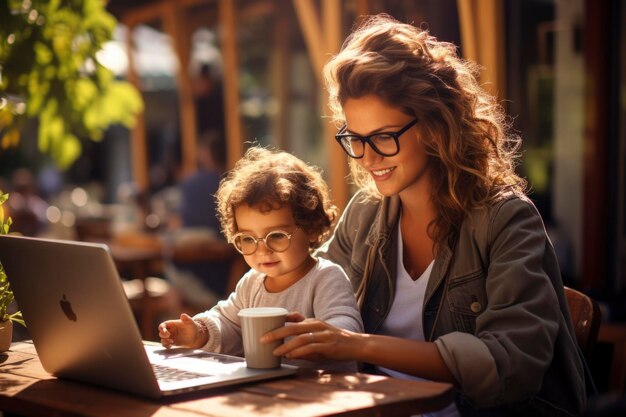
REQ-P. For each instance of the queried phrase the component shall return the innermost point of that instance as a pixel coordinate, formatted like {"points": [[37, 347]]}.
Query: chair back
{"points": [[586, 318]]}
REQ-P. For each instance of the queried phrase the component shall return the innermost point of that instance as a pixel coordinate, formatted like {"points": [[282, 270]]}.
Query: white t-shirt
{"points": [[405, 317], [325, 293]]}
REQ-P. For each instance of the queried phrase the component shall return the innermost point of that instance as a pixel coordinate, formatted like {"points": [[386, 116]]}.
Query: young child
{"points": [[275, 209]]}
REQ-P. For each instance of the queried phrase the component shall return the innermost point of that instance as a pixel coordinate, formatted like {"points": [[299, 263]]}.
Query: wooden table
{"points": [[26, 389], [136, 261]]}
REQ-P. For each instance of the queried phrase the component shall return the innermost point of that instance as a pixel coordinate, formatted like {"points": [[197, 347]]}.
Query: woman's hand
{"points": [[314, 340]]}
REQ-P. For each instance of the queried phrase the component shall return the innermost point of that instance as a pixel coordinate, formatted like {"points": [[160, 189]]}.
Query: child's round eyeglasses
{"points": [[276, 240], [383, 143]]}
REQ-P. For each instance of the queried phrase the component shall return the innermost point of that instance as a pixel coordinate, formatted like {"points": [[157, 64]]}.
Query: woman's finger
{"points": [[304, 346], [297, 342], [294, 317], [294, 329]]}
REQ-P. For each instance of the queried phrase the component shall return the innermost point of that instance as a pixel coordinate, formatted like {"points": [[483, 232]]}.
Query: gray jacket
{"points": [[494, 304]]}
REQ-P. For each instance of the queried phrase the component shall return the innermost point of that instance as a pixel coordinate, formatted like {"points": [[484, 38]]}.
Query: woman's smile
{"points": [[381, 174]]}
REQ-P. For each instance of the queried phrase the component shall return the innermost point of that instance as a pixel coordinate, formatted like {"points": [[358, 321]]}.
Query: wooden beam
{"points": [[482, 37], [321, 44], [331, 10], [489, 15], [468, 29], [500, 35], [186, 4], [175, 27], [144, 14], [313, 35], [363, 8], [138, 148], [281, 74], [228, 21], [256, 9]]}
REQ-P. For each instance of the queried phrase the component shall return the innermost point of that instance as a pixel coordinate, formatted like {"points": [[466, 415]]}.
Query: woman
{"points": [[455, 275]]}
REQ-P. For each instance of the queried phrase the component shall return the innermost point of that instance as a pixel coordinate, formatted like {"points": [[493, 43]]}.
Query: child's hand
{"points": [[184, 332]]}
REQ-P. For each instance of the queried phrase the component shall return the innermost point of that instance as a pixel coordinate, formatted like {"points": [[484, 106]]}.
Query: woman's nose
{"points": [[370, 156]]}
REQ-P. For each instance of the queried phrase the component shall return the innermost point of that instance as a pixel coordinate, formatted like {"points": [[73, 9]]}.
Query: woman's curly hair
{"points": [[461, 128], [270, 179]]}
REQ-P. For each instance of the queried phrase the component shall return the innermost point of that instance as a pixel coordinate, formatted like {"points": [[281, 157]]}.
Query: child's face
{"points": [[288, 265]]}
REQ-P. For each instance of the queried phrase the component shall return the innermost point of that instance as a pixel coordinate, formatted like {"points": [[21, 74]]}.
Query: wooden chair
{"points": [[139, 259], [152, 300], [586, 317], [203, 250]]}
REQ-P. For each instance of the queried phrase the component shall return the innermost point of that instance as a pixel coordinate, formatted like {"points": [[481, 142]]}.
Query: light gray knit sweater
{"points": [[324, 293]]}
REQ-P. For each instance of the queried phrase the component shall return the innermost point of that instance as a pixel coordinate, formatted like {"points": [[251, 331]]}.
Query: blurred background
{"points": [[236, 72]]}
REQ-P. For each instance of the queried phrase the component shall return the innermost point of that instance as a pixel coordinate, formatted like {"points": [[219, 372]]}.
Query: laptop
{"points": [[83, 328]]}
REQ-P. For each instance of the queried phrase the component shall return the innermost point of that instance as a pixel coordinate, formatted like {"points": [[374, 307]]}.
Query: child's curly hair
{"points": [[269, 179]]}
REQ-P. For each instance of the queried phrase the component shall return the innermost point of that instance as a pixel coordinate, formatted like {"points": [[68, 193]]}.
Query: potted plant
{"points": [[6, 295]]}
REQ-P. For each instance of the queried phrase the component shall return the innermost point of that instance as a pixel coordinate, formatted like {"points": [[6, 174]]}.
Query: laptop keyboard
{"points": [[169, 374]]}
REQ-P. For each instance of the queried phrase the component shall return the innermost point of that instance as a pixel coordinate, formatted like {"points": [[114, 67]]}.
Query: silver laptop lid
{"points": [[83, 328], [77, 314]]}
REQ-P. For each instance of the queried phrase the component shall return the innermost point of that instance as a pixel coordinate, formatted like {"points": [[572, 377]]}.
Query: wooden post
{"points": [[174, 26], [313, 35], [138, 147], [321, 44], [482, 37], [281, 74], [338, 161], [231, 81]]}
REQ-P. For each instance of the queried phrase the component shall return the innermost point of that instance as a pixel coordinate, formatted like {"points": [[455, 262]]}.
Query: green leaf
{"points": [[82, 92], [17, 317], [43, 54], [6, 295], [67, 151], [48, 65]]}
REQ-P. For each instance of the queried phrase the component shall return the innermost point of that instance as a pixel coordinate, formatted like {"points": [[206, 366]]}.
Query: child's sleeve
{"points": [[222, 322], [334, 301]]}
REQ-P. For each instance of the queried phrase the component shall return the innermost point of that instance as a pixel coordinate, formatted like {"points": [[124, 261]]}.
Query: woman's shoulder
{"points": [[513, 202], [503, 203], [506, 211]]}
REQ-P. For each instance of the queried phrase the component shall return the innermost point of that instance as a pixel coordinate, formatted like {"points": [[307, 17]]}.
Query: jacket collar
{"points": [[440, 270], [386, 221]]}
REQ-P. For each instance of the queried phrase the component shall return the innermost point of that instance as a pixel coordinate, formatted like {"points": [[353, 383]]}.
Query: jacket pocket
{"points": [[467, 299]]}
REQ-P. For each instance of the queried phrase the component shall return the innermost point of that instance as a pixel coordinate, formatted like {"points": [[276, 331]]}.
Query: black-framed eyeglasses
{"points": [[276, 240], [383, 143]]}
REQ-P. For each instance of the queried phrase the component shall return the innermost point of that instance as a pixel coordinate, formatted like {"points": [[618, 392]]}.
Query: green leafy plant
{"points": [[6, 295], [49, 70]]}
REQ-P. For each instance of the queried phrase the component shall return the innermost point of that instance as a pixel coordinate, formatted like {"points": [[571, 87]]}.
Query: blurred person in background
{"points": [[25, 206], [199, 259]]}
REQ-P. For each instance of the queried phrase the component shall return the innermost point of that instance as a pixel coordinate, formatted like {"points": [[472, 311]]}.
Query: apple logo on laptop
{"points": [[66, 306]]}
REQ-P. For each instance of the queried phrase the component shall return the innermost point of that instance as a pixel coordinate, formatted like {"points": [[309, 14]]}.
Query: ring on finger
{"points": [[311, 337]]}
